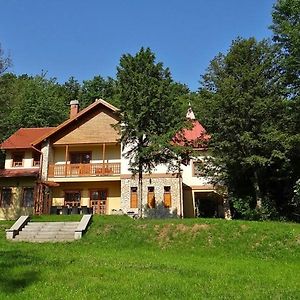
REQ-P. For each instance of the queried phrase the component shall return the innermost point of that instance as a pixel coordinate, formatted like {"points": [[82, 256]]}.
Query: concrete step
{"points": [[48, 232], [44, 240], [29, 229]]}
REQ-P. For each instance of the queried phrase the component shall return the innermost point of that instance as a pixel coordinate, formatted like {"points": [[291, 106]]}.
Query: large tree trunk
{"points": [[180, 189], [258, 196], [140, 199]]}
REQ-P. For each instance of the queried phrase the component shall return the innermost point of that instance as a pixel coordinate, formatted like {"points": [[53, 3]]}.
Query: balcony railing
{"points": [[81, 170]]}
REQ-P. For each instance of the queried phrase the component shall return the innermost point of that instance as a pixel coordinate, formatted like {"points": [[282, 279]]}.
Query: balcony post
{"points": [[66, 159], [103, 158]]}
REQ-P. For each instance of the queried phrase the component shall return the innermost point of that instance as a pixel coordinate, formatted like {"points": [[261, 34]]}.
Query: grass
{"points": [[121, 258]]}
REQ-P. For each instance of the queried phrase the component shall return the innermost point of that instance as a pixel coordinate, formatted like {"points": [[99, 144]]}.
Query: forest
{"points": [[248, 100]]}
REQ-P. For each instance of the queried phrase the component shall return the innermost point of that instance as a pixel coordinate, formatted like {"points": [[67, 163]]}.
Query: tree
{"points": [[98, 87], [243, 113], [72, 89], [38, 102], [149, 115], [5, 61], [286, 28]]}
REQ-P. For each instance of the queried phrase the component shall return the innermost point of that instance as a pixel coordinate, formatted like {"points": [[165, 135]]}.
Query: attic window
{"points": [[17, 158], [198, 169]]}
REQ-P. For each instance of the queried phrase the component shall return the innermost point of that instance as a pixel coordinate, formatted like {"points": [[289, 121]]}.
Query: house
{"points": [[80, 164]]}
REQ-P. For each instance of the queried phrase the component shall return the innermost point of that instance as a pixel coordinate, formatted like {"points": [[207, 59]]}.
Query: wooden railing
{"points": [[77, 170]]}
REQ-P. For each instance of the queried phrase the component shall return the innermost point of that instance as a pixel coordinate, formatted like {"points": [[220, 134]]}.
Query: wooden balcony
{"points": [[84, 170]]}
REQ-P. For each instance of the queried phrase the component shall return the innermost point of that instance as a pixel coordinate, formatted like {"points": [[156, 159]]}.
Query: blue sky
{"points": [[84, 38]]}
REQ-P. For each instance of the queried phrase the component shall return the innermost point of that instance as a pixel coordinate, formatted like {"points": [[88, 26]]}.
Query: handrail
{"points": [[80, 170], [16, 227], [82, 226]]}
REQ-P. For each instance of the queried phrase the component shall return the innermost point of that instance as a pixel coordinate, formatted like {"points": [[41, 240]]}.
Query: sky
{"points": [[85, 38]]}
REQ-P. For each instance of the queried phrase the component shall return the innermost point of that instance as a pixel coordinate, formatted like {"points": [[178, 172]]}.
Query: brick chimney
{"points": [[74, 108]]}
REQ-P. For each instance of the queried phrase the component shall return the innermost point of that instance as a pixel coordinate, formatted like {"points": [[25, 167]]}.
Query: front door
{"points": [[98, 201]]}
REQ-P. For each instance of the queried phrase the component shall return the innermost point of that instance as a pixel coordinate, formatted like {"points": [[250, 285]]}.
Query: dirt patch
{"points": [[107, 229], [199, 227], [181, 228], [170, 232], [142, 226], [244, 227]]}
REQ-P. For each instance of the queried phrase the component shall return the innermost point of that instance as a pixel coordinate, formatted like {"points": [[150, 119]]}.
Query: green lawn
{"points": [[120, 258]]}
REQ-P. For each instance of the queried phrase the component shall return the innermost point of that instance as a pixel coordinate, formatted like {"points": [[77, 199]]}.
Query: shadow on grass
{"points": [[15, 273]]}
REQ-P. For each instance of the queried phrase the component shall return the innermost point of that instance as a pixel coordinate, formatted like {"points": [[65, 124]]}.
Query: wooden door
{"points": [[98, 200]]}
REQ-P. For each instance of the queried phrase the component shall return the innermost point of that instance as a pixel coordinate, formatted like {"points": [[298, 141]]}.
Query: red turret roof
{"points": [[195, 136]]}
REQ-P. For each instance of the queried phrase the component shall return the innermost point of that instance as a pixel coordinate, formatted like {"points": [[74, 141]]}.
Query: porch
{"points": [[100, 197], [84, 170]]}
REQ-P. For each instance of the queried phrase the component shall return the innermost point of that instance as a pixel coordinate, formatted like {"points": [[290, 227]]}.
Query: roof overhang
{"points": [[11, 173]]}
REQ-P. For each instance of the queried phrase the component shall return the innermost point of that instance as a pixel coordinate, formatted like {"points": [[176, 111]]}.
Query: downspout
{"points": [[180, 192], [39, 176], [41, 160]]}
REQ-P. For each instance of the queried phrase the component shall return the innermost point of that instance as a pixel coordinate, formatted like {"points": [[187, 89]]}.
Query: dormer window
{"points": [[17, 158], [36, 159]]}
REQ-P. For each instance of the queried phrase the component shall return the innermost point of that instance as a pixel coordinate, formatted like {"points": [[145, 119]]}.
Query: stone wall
{"points": [[158, 184], [45, 159]]}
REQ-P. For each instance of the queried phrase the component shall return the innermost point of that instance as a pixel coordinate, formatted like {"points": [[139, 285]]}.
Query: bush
{"points": [[159, 212], [295, 201], [244, 208]]}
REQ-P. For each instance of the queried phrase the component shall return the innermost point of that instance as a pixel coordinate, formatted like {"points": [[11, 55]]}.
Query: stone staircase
{"points": [[47, 232]]}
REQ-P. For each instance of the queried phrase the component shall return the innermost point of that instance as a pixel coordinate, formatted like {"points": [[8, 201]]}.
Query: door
{"points": [[98, 200]]}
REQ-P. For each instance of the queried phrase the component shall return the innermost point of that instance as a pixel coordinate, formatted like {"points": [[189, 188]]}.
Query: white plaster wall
{"points": [[189, 179], [187, 171], [27, 160], [160, 169]]}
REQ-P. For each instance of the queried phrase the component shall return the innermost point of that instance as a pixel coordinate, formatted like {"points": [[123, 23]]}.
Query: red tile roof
{"points": [[196, 136], [19, 172], [24, 137]]}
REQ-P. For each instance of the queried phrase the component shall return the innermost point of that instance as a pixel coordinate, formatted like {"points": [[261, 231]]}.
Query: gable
{"points": [[95, 128]]}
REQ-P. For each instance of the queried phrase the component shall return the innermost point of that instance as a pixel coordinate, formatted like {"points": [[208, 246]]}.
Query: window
{"points": [[5, 197], [80, 157], [151, 197], [17, 158], [98, 195], [72, 198], [36, 159], [98, 201], [167, 196], [133, 197], [198, 169], [27, 197]]}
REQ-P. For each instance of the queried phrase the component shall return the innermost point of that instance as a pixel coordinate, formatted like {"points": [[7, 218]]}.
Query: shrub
{"points": [[159, 212], [244, 208]]}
